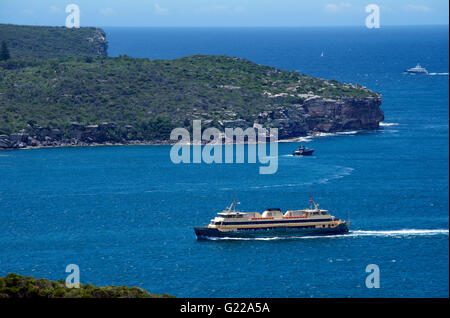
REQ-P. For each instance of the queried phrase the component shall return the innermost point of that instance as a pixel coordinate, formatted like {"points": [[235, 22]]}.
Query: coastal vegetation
{"points": [[59, 85], [152, 96], [44, 42], [4, 52], [16, 286]]}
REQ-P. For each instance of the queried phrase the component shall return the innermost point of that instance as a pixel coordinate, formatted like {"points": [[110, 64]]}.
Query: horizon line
{"points": [[239, 26]]}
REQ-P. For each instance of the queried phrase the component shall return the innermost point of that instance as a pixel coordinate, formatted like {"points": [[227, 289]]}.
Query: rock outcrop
{"points": [[99, 44], [318, 114], [328, 115], [312, 115]]}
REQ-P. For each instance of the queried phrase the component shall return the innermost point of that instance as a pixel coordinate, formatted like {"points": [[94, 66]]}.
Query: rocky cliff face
{"points": [[317, 114], [328, 115], [98, 43], [312, 115]]}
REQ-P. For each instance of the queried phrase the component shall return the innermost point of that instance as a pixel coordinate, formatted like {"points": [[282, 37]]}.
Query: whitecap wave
{"points": [[390, 131], [341, 173], [298, 139], [280, 185], [351, 132], [324, 134], [383, 124], [298, 157], [320, 134], [403, 232]]}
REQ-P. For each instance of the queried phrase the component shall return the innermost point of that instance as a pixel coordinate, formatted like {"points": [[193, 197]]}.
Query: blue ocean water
{"points": [[125, 215]]}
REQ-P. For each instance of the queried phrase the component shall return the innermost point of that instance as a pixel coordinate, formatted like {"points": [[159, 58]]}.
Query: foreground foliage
{"points": [[16, 286]]}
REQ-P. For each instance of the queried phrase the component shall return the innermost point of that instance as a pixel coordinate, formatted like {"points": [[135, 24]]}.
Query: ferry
{"points": [[272, 223]]}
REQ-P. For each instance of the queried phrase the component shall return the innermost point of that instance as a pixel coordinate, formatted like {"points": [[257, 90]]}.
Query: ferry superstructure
{"points": [[272, 222]]}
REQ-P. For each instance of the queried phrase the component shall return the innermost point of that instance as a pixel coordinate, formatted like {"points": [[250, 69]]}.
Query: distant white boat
{"points": [[321, 54], [417, 70]]}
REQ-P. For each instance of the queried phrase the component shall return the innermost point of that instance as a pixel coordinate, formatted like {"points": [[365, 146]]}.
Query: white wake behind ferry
{"points": [[272, 223]]}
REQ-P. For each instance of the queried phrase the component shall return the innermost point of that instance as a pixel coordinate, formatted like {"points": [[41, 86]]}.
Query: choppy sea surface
{"points": [[125, 215]]}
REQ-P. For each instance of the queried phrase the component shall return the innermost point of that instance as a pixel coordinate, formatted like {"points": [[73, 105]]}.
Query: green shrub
{"points": [[16, 286]]}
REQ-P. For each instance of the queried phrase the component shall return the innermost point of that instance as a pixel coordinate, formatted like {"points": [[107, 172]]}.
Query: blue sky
{"points": [[221, 13]]}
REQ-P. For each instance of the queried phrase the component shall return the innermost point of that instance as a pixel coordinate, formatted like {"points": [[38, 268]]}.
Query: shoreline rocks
{"points": [[313, 115]]}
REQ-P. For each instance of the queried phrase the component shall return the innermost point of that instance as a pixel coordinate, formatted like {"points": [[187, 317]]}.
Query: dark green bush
{"points": [[16, 286]]}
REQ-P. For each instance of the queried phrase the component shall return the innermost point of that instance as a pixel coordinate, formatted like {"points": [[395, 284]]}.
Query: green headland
{"points": [[59, 87]]}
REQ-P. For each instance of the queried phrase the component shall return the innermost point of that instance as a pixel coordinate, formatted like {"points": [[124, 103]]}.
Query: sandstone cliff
{"points": [[318, 114], [315, 114]]}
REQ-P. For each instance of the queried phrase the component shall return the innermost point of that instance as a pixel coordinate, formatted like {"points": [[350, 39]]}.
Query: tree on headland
{"points": [[4, 52]]}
